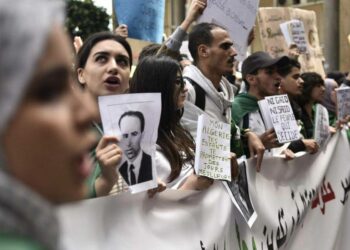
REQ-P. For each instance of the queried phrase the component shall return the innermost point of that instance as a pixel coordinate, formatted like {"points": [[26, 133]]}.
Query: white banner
{"points": [[301, 204]]}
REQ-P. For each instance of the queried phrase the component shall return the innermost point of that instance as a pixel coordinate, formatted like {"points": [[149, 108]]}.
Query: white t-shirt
{"points": [[164, 170]]}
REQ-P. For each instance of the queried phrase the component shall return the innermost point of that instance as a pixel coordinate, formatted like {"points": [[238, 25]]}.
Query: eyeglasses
{"points": [[180, 82]]}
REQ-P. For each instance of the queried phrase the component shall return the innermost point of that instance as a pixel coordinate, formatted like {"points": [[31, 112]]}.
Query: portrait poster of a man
{"points": [[134, 120], [137, 167]]}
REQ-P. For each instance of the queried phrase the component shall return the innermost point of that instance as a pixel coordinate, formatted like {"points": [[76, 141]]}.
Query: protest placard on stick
{"points": [[213, 149]]}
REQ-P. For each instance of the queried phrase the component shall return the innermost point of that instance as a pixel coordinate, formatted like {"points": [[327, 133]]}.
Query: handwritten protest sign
{"points": [[213, 149], [282, 118], [343, 102], [145, 19], [236, 16], [273, 41], [321, 131], [294, 33]]}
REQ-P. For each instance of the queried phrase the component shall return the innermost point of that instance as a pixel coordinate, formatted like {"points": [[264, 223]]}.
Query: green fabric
{"points": [[236, 142], [242, 105], [332, 117], [97, 170], [93, 176], [333, 120], [14, 242]]}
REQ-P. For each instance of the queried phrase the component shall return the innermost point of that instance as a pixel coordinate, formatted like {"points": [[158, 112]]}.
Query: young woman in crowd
{"points": [[329, 99], [44, 127], [313, 92], [175, 146], [103, 66]]}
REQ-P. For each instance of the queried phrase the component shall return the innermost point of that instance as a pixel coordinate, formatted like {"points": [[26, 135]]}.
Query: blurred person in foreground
{"points": [[45, 125]]}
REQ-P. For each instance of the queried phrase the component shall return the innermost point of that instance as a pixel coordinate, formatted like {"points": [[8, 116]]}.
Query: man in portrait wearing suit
{"points": [[138, 165]]}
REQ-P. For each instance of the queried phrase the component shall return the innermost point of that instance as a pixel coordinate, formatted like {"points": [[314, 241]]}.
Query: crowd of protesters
{"points": [[51, 132]]}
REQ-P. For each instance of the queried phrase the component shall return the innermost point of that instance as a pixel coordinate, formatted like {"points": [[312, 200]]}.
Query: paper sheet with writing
{"points": [[343, 102], [282, 117], [134, 120], [294, 33], [213, 149], [236, 16], [321, 130]]}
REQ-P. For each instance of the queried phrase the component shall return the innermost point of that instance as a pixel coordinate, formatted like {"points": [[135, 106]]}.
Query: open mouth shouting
{"points": [[231, 60], [112, 82]]}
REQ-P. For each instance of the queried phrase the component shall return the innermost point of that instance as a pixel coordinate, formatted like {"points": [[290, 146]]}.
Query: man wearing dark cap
{"points": [[259, 72]]}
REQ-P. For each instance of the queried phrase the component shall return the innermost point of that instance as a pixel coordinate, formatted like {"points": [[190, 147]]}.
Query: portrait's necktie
{"points": [[132, 175]]}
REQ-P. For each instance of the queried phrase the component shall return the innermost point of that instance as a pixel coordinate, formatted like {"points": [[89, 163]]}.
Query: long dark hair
{"points": [[311, 80], [157, 74]]}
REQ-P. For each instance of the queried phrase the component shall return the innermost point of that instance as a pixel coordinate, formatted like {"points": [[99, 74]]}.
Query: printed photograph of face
{"points": [[137, 167], [131, 125], [240, 192]]}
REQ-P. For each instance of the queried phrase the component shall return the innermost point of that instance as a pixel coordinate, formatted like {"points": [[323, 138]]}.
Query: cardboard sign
{"points": [[321, 130], [236, 16], [343, 102], [282, 118], [213, 149], [294, 33], [273, 41]]}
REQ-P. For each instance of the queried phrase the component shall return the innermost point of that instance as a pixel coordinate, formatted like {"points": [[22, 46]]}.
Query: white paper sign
{"points": [[282, 117], [265, 113], [213, 149], [294, 33], [236, 16], [134, 120], [321, 131], [343, 102]]}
